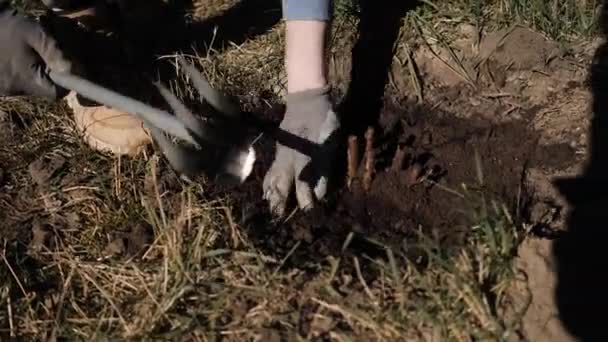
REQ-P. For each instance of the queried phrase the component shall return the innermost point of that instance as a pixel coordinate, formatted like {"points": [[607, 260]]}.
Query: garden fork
{"points": [[220, 146]]}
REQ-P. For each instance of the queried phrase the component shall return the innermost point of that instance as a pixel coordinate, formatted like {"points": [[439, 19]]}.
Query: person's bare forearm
{"points": [[307, 22], [305, 55]]}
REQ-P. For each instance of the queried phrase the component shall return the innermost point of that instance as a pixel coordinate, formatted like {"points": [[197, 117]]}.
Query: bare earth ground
{"points": [[455, 244]]}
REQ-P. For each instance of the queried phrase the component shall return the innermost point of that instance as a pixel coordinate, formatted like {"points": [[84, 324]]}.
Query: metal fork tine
{"points": [[218, 100], [180, 110], [232, 167], [205, 131], [183, 160]]}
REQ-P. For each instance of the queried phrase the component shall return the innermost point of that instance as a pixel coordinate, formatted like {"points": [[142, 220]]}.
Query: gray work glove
{"points": [[28, 53], [309, 115]]}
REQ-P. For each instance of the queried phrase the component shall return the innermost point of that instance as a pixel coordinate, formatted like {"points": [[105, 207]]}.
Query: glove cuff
{"points": [[307, 95]]}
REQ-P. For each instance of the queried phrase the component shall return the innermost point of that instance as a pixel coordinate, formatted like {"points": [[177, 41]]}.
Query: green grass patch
{"points": [[565, 20]]}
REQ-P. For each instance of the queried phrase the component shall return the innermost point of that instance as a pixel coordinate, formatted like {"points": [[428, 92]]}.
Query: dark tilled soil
{"points": [[444, 150]]}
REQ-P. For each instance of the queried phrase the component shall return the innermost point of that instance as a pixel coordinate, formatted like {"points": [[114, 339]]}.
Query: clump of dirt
{"points": [[130, 243], [520, 48], [44, 168], [41, 235], [494, 57]]}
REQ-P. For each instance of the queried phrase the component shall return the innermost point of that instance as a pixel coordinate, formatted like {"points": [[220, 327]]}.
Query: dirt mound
{"points": [[519, 48]]}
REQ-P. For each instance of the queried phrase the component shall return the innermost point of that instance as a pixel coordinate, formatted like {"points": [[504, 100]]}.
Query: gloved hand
{"points": [[28, 53], [309, 115]]}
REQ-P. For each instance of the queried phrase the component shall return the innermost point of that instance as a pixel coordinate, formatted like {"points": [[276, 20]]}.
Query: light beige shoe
{"points": [[109, 130]]}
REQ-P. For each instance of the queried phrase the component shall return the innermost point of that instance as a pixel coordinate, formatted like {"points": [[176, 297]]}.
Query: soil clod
{"points": [[43, 169], [131, 243], [41, 235]]}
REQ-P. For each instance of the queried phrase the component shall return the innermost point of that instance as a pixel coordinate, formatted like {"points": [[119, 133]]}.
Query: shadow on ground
{"points": [[580, 254], [372, 57], [121, 42]]}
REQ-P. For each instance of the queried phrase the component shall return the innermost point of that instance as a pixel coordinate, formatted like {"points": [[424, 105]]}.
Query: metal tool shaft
{"points": [[156, 117]]}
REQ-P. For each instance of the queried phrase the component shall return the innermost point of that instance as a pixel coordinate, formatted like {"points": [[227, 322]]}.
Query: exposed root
{"points": [[368, 172], [398, 159], [413, 174], [353, 160]]}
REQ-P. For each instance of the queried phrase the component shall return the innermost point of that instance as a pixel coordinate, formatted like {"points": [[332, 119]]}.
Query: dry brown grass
{"points": [[202, 277]]}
